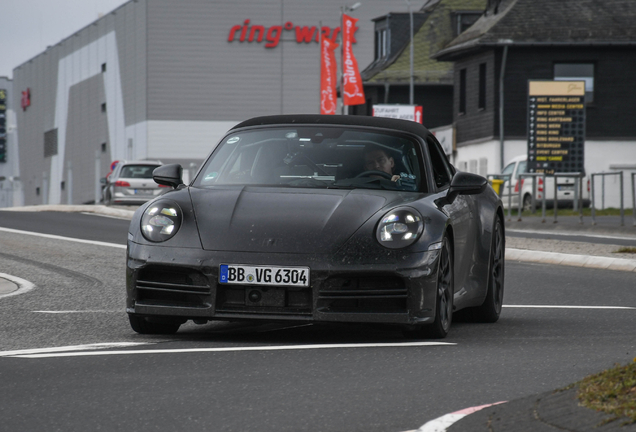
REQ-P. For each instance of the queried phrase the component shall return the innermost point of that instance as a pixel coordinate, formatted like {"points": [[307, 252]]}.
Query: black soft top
{"points": [[348, 120]]}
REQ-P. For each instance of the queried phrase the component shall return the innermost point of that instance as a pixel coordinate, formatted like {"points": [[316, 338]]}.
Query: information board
{"points": [[556, 126], [404, 112], [3, 125]]}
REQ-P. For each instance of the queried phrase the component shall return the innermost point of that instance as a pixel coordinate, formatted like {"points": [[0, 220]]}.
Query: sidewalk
{"points": [[546, 412]]}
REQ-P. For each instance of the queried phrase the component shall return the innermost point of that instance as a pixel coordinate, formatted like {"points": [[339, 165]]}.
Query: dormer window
{"points": [[463, 20], [381, 43]]}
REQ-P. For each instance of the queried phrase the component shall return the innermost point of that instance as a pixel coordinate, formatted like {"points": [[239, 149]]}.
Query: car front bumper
{"points": [[183, 283]]}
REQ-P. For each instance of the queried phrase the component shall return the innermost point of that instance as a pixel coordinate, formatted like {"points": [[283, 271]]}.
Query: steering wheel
{"points": [[374, 173]]}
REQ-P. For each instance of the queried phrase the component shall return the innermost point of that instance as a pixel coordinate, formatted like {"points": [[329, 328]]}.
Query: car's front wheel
{"points": [[439, 328], [490, 309], [143, 326]]}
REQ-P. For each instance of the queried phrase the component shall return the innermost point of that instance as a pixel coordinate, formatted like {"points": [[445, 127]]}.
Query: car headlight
{"points": [[399, 228], [161, 221]]}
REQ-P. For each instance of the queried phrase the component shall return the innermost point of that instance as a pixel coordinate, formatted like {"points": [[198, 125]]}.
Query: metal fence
{"points": [[603, 175]]}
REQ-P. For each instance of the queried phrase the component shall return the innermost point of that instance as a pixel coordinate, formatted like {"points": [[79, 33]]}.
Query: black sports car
{"points": [[319, 218]]}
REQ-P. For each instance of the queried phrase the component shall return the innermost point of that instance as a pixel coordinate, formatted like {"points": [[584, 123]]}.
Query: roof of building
{"points": [[548, 22], [434, 31]]}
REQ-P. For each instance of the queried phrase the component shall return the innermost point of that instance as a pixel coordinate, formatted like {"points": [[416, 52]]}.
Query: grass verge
{"points": [[612, 391], [631, 250]]}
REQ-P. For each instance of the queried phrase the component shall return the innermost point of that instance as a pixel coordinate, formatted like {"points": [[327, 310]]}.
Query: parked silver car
{"points": [[131, 183]]}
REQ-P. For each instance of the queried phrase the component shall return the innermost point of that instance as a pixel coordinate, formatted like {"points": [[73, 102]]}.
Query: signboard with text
{"points": [[556, 126], [404, 112]]}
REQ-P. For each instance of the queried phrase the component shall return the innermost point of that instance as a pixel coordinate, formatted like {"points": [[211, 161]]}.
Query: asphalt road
{"points": [[555, 329]]}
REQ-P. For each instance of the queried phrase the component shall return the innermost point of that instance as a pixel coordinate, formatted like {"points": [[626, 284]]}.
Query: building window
{"points": [[462, 91], [104, 107], [577, 72], [103, 67], [103, 147], [482, 86], [50, 143], [463, 20]]}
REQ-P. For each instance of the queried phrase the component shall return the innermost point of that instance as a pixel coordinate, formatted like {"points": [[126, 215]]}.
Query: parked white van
{"points": [[565, 188]]}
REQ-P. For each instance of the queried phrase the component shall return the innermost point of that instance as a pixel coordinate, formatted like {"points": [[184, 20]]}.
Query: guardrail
{"points": [[578, 193], [634, 198], [603, 175], [534, 193]]}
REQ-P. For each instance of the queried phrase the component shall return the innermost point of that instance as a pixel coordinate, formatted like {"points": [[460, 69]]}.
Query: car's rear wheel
{"points": [[439, 328], [527, 203], [143, 326], [490, 309]]}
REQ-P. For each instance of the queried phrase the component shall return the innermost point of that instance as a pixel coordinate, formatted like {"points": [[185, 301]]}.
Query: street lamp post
{"points": [[411, 87], [344, 8]]}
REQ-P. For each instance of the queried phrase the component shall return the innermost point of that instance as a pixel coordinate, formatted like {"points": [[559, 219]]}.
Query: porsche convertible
{"points": [[309, 218]]}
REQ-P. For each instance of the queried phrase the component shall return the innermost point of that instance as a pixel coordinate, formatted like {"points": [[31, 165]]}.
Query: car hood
{"points": [[274, 220]]}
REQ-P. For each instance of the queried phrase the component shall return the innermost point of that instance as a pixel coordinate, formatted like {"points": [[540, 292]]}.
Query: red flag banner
{"points": [[328, 76], [353, 91]]}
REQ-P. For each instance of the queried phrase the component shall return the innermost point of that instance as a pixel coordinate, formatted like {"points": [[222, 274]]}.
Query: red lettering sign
{"points": [[273, 34], [26, 99]]}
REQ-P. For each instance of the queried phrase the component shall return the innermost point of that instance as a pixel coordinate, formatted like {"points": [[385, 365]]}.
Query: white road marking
{"points": [[105, 215], [23, 285], [572, 234], [568, 307], [77, 311], [56, 237], [70, 348], [235, 349], [441, 424]]}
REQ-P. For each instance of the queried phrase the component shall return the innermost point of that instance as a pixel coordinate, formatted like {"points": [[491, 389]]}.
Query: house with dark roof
{"points": [[515, 41], [387, 78]]}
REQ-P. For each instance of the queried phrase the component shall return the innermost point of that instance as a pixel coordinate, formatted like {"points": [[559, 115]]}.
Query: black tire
{"points": [[527, 203], [439, 328], [142, 326], [490, 310]]}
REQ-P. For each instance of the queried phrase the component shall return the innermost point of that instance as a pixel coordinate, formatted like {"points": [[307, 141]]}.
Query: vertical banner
{"points": [[352, 83], [328, 76]]}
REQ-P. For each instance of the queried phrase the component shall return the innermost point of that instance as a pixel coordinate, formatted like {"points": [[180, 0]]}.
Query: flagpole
{"points": [[320, 66], [342, 108]]}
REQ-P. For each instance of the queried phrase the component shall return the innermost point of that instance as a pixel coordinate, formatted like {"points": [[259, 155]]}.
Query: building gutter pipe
{"points": [[501, 105]]}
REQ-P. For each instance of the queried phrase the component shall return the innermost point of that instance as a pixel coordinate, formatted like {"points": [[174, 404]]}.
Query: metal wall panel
{"points": [[194, 73]]}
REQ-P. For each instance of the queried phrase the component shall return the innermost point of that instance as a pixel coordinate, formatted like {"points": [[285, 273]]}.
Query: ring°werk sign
{"points": [[272, 35]]}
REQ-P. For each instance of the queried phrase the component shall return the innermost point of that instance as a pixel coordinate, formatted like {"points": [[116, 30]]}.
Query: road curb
{"points": [[97, 209], [596, 262]]}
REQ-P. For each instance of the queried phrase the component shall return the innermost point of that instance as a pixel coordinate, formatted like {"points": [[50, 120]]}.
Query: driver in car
{"points": [[377, 159]]}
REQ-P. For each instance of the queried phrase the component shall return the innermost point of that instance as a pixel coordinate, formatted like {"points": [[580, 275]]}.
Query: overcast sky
{"points": [[29, 26]]}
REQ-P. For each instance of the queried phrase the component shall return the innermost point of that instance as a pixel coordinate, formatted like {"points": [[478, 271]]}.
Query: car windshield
{"points": [[137, 171], [315, 157]]}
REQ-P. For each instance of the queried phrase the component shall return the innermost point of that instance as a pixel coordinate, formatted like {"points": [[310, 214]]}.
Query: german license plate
{"points": [[264, 275]]}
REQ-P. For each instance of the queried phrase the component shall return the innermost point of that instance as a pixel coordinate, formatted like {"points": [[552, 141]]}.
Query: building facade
{"points": [[158, 79], [516, 41], [10, 192]]}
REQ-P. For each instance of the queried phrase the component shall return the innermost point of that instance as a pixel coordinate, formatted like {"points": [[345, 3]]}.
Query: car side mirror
{"points": [[464, 183], [168, 175]]}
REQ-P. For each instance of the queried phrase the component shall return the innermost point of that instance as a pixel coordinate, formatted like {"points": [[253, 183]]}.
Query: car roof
{"points": [[139, 162], [338, 120], [517, 159]]}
